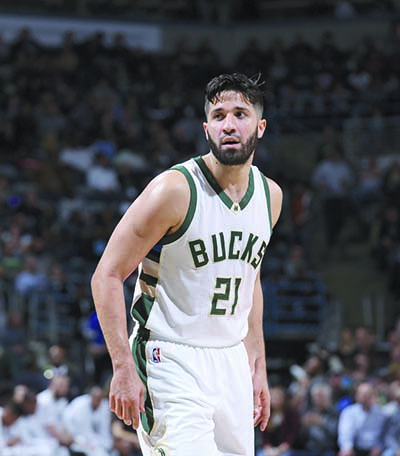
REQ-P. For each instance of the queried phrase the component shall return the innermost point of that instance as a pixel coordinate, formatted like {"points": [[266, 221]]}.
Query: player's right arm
{"points": [[160, 209]]}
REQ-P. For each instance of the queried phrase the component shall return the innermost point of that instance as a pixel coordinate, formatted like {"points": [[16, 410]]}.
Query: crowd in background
{"points": [[343, 402], [84, 127], [209, 11]]}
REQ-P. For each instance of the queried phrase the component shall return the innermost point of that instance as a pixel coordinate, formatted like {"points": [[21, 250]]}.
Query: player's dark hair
{"points": [[248, 87]]}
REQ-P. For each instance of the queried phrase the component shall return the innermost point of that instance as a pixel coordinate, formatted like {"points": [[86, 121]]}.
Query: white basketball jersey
{"points": [[196, 285]]}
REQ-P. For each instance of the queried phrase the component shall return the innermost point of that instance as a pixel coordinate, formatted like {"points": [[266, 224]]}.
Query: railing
{"points": [[45, 314]]}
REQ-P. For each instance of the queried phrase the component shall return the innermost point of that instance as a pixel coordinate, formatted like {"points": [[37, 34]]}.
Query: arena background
{"points": [[348, 286]]}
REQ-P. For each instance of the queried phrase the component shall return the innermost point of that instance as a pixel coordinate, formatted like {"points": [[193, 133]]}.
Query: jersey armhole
{"points": [[268, 198], [167, 239]]}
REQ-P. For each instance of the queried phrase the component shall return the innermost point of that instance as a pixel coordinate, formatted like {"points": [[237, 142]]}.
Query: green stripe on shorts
{"points": [[139, 357]]}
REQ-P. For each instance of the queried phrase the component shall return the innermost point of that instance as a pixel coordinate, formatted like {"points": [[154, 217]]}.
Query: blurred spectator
{"points": [[15, 338], [88, 419], [360, 425], [33, 432], [24, 44], [30, 279], [367, 194], [51, 404], [393, 370], [344, 9], [362, 368], [53, 400], [49, 116], [391, 184], [32, 208], [186, 131], [359, 78], [366, 345], [101, 176], [59, 363], [57, 281], [76, 153], [328, 141], [333, 179], [312, 372], [393, 394], [7, 370], [387, 239], [346, 347], [296, 266], [318, 430], [302, 214], [394, 331], [10, 436], [394, 274], [30, 373], [391, 429], [130, 167]]}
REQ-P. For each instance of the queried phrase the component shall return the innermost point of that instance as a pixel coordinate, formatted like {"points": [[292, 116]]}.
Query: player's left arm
{"points": [[254, 341]]}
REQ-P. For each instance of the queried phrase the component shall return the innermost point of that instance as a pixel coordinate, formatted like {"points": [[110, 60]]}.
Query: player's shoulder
{"points": [[274, 188], [167, 195], [171, 182], [276, 197]]}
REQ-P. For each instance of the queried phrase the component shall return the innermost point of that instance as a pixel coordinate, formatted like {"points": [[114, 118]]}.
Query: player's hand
{"points": [[127, 395], [262, 400]]}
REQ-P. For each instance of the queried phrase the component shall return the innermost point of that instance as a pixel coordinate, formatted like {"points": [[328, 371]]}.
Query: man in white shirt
{"points": [[9, 432], [88, 419], [35, 435], [51, 404], [360, 425]]}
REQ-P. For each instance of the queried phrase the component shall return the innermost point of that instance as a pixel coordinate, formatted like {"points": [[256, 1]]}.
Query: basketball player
{"points": [[192, 377]]}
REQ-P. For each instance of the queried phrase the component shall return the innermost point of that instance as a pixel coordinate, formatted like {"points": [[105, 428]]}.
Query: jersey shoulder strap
{"points": [[167, 239], [267, 196]]}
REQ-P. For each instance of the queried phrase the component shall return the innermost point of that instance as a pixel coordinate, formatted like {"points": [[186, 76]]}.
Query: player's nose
{"points": [[229, 124]]}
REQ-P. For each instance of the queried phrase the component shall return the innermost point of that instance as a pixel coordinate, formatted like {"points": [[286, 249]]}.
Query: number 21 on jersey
{"points": [[225, 296]]}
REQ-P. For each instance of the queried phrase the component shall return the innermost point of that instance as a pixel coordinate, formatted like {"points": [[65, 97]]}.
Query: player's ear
{"points": [[262, 125], [205, 127]]}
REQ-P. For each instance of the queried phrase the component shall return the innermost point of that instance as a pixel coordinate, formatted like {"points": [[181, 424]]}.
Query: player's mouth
{"points": [[230, 141]]}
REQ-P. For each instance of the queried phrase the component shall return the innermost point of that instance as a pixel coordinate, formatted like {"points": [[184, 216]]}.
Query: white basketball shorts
{"points": [[199, 400]]}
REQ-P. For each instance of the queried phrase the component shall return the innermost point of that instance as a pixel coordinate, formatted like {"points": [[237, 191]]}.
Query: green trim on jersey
{"points": [[268, 197], [219, 191], [167, 239], [154, 255], [148, 279], [139, 357], [142, 308]]}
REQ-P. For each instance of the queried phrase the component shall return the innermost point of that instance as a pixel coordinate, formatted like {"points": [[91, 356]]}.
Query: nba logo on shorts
{"points": [[157, 355]]}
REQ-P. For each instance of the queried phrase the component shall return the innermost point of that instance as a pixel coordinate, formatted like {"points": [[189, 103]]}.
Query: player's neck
{"points": [[234, 180]]}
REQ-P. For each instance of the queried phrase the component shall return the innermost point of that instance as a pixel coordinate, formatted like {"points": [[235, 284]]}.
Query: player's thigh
{"points": [[234, 429], [180, 421]]}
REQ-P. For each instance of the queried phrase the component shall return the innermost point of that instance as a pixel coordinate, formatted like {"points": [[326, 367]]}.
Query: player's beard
{"points": [[234, 156]]}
